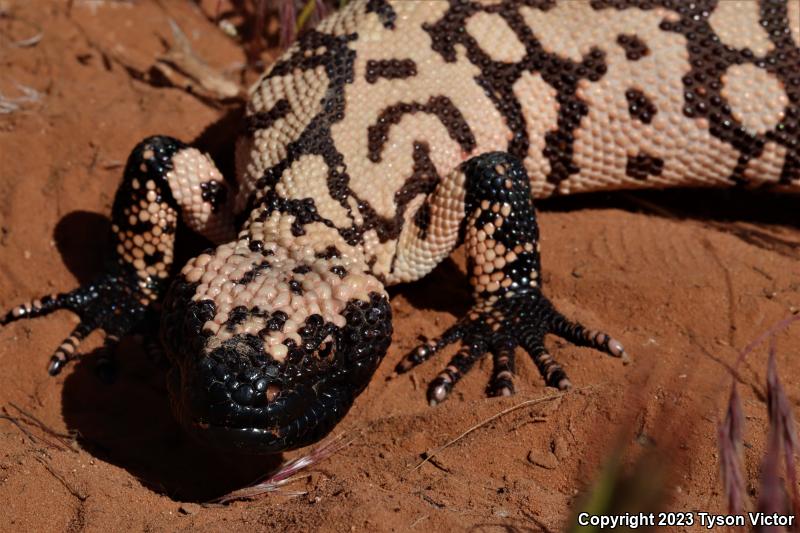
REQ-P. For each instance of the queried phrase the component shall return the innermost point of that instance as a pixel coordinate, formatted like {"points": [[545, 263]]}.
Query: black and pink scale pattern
{"points": [[386, 137], [510, 310]]}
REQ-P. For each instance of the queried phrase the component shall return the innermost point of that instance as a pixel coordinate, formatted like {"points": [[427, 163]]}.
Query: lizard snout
{"points": [[273, 359]]}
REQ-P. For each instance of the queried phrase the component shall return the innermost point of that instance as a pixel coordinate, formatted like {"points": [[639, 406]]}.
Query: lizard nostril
{"points": [[272, 391], [325, 350]]}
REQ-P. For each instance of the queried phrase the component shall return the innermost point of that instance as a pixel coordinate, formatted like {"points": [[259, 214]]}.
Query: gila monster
{"points": [[387, 136]]}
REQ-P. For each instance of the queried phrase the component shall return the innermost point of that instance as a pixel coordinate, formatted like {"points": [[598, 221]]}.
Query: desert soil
{"points": [[685, 279]]}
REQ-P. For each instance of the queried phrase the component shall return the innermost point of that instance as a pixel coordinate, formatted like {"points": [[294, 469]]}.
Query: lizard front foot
{"points": [[110, 303], [498, 325], [144, 221], [510, 310]]}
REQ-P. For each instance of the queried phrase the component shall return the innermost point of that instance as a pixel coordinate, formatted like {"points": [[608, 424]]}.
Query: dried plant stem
{"points": [[287, 473], [731, 449], [526, 403], [782, 434]]}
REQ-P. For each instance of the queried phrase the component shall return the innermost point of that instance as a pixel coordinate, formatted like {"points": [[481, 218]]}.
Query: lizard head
{"points": [[270, 348]]}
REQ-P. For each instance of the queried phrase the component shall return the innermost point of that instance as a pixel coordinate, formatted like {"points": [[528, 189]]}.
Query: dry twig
{"points": [[62, 441], [11, 104], [72, 490], [25, 42], [534, 401], [180, 57]]}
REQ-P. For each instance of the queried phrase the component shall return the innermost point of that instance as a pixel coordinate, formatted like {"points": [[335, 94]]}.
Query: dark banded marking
{"points": [[635, 48], [332, 53], [385, 12], [236, 316], [640, 106], [441, 106], [215, 193], [643, 165], [253, 273], [498, 79], [265, 119], [390, 69], [66, 351], [339, 270], [710, 59], [423, 180]]}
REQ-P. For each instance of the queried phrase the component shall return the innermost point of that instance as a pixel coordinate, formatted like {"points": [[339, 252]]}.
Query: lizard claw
{"points": [[498, 325], [502, 244], [112, 302]]}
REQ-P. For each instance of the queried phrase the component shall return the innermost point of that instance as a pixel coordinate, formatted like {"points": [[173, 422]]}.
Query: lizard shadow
{"points": [[82, 239], [77, 235], [754, 216], [128, 423], [446, 288], [739, 204]]}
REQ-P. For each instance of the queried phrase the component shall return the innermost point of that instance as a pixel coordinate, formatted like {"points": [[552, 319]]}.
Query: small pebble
{"points": [[560, 448], [544, 459], [189, 508]]}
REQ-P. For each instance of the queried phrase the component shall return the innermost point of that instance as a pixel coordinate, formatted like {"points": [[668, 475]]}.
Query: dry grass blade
{"points": [[782, 424], [313, 11], [25, 42], [431, 455], [782, 437], [259, 17], [81, 495], [287, 473], [731, 452], [66, 438], [771, 496], [292, 17], [10, 104], [770, 333], [59, 441], [321, 10], [638, 490]]}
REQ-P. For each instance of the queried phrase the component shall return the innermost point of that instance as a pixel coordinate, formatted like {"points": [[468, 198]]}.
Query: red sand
{"points": [[684, 283]]}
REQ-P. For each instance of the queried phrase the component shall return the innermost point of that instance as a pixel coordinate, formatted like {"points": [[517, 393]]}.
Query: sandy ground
{"points": [[684, 279]]}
